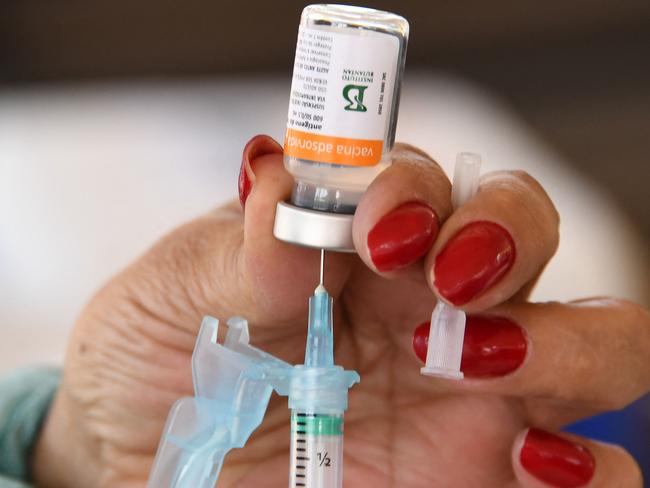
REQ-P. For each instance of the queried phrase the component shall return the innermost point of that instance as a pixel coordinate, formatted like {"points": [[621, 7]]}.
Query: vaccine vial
{"points": [[342, 114]]}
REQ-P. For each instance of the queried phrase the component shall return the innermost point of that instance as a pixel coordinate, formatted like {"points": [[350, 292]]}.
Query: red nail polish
{"points": [[493, 346], [259, 145], [402, 236], [556, 460], [474, 259], [421, 340]]}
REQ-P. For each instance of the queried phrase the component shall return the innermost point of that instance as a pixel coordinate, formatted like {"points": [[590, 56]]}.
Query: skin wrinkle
{"points": [[187, 293], [185, 269], [132, 343], [521, 191], [366, 367], [119, 459], [362, 462], [362, 364], [111, 362], [147, 298], [229, 265], [155, 322]]}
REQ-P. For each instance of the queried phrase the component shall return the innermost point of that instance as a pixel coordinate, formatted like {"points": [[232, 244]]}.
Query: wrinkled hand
{"points": [[538, 365]]}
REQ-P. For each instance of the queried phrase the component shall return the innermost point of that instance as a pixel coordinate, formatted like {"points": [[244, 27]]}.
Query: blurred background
{"points": [[120, 120]]}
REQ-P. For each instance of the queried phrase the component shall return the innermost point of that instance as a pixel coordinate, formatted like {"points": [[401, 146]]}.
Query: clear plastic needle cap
{"points": [[447, 334]]}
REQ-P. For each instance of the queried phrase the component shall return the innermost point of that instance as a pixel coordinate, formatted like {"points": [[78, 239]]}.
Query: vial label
{"points": [[341, 95]]}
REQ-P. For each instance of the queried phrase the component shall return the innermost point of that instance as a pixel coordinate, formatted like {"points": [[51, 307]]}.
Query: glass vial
{"points": [[344, 103]]}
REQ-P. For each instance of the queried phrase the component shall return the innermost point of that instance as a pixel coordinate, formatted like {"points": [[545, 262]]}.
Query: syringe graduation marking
{"points": [[300, 474], [303, 424]]}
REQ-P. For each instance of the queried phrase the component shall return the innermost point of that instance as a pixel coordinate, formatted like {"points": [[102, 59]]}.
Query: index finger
{"points": [[398, 217]]}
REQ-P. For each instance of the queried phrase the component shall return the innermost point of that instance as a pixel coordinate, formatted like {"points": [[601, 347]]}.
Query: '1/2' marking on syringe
{"points": [[324, 459]]}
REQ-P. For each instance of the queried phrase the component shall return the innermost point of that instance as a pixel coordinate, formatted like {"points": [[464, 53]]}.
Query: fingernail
{"points": [[421, 340], [402, 236], [259, 145], [493, 346], [556, 460], [476, 258]]}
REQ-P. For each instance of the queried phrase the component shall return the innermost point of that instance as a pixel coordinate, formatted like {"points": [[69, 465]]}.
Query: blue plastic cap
{"points": [[232, 387]]}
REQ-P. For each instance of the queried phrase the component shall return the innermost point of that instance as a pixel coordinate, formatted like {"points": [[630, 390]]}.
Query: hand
{"points": [[526, 364]]}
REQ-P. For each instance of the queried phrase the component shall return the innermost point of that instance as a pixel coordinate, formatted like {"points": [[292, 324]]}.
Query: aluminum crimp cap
{"points": [[312, 228]]}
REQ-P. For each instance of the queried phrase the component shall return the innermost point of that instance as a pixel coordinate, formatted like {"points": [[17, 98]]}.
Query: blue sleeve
{"points": [[25, 397]]}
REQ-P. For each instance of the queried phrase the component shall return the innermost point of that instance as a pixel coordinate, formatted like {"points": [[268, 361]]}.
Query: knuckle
{"points": [[519, 190], [405, 151], [632, 318], [414, 175], [539, 198], [405, 155], [528, 180], [633, 310]]}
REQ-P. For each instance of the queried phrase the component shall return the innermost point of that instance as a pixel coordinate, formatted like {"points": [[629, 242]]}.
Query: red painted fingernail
{"points": [[421, 340], [556, 460], [493, 346], [475, 259], [402, 236], [259, 145]]}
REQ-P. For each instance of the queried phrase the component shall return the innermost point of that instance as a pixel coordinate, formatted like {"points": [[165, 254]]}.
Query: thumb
{"points": [[280, 275], [229, 263]]}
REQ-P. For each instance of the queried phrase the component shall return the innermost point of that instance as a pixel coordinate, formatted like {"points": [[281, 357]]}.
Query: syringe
{"points": [[318, 400], [233, 382]]}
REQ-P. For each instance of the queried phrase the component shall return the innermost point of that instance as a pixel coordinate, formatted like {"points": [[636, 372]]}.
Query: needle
{"points": [[322, 266]]}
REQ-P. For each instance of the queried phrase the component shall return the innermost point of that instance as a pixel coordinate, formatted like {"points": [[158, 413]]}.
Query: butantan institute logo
{"points": [[353, 94]]}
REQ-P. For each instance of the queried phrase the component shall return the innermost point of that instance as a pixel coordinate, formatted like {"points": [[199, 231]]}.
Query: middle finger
{"points": [[495, 244], [564, 361]]}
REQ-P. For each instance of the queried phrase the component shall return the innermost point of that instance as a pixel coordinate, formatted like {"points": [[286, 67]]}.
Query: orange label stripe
{"points": [[334, 150]]}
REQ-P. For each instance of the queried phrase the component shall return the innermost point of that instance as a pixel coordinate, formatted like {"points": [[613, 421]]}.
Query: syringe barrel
{"points": [[316, 450]]}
